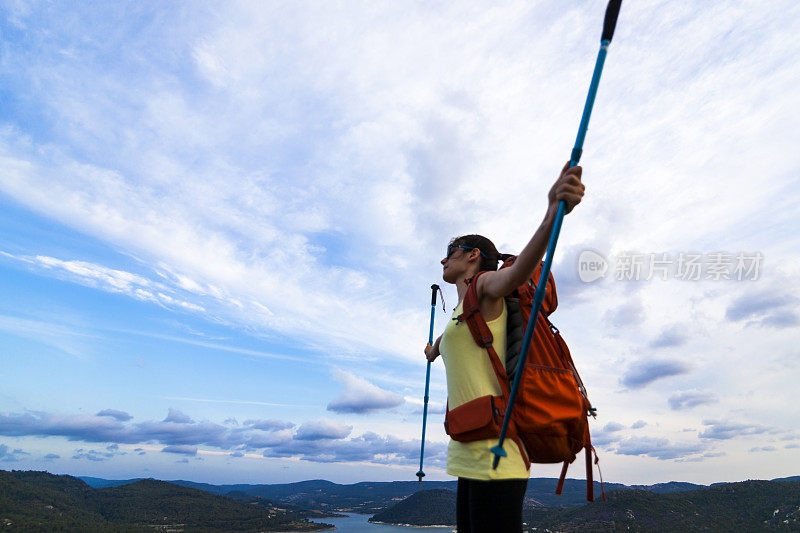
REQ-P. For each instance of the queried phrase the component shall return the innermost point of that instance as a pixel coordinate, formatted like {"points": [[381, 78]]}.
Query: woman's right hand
{"points": [[431, 353], [568, 187]]}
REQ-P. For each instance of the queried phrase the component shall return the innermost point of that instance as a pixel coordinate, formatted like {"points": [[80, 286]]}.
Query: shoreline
{"points": [[409, 525], [308, 530]]}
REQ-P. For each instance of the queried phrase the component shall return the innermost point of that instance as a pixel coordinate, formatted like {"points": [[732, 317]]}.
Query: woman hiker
{"points": [[490, 501]]}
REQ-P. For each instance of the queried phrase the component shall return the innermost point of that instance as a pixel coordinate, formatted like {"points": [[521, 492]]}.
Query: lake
{"points": [[357, 523]]}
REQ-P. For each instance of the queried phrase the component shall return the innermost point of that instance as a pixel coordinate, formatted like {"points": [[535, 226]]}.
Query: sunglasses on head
{"points": [[452, 247]]}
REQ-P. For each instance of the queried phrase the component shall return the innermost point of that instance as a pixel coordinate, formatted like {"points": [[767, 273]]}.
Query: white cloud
{"points": [[689, 399], [322, 430], [178, 417], [110, 280], [642, 373], [116, 414], [67, 338], [180, 449], [659, 448], [360, 396]]}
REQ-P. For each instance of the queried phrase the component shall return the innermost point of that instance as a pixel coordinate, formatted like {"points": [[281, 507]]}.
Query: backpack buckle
{"points": [[487, 341]]}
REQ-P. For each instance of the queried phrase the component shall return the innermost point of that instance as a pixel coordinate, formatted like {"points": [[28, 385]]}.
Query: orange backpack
{"points": [[550, 418]]}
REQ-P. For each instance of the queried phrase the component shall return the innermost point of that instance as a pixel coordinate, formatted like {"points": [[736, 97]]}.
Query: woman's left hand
{"points": [[568, 187], [431, 352]]}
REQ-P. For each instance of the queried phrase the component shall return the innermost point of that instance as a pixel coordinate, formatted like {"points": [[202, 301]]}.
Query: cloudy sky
{"points": [[219, 223]]}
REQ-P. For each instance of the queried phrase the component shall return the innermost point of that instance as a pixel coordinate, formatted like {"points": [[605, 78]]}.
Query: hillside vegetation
{"points": [[425, 508], [744, 506], [727, 507], [38, 501]]}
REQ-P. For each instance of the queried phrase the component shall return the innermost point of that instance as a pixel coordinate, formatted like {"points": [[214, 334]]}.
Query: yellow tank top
{"points": [[469, 376]]}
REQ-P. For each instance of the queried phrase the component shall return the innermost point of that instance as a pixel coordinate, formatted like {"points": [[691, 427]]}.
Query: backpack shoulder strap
{"points": [[481, 334]]}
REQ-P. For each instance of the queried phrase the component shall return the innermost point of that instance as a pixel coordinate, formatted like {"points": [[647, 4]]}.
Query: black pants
{"points": [[490, 506]]}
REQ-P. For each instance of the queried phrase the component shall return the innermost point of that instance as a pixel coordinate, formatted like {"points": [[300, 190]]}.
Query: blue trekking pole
{"points": [[421, 474], [612, 11]]}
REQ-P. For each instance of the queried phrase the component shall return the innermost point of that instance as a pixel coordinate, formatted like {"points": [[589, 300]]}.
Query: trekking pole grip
{"points": [[434, 289], [610, 22]]}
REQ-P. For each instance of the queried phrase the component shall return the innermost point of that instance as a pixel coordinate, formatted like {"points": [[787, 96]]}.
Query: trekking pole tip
{"points": [[498, 452], [420, 475], [610, 22]]}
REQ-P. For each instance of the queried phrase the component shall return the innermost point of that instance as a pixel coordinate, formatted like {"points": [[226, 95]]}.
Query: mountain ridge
{"points": [[370, 497], [322, 494]]}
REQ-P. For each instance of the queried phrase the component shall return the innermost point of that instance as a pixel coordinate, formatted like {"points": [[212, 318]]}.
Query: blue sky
{"points": [[219, 224]]}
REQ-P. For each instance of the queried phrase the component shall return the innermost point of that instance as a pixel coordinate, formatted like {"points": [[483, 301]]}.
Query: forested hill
{"points": [[663, 488], [38, 501], [425, 508], [745, 506]]}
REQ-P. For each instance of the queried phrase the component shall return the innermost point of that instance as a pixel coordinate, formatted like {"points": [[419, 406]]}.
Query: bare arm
{"points": [[568, 187]]}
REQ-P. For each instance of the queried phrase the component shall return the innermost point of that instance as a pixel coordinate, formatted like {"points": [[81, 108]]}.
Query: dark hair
{"points": [[490, 256]]}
